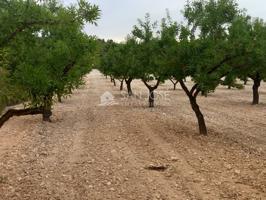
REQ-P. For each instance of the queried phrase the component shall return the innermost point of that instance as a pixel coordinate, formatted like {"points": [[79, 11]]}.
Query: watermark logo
{"points": [[107, 99], [140, 98]]}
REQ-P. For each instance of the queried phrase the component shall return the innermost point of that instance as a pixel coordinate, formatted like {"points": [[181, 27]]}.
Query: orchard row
{"points": [[216, 44]]}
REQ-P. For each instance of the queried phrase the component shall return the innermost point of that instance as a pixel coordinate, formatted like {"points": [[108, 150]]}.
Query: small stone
{"points": [[191, 172], [157, 167], [218, 183], [91, 161], [113, 151], [44, 153], [228, 166], [42, 184], [174, 159]]}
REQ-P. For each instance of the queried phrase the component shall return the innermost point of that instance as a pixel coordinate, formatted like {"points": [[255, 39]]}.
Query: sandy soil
{"points": [[103, 152]]}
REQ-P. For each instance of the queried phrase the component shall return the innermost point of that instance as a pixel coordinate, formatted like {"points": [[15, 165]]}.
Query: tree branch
{"points": [[152, 87], [13, 112], [184, 87], [128, 80], [147, 85], [24, 26], [194, 88], [157, 84], [196, 93], [226, 59], [171, 80]]}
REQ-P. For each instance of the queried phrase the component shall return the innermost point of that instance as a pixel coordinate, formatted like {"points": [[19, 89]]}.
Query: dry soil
{"points": [[98, 152]]}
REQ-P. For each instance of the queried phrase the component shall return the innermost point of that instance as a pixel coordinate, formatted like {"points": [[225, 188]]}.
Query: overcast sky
{"points": [[119, 16]]}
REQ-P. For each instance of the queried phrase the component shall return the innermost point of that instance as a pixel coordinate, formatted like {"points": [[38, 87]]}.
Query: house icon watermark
{"points": [[107, 99]]}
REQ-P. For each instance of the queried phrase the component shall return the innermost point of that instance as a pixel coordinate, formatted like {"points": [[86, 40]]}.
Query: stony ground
{"points": [[98, 152]]}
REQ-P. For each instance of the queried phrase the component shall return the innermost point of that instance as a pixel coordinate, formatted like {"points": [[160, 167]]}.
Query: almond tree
{"points": [[148, 68], [251, 34], [46, 59], [204, 49], [107, 61], [168, 48], [112, 62], [118, 60], [130, 62]]}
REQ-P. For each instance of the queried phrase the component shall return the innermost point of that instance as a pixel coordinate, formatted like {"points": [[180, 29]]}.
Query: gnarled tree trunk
{"points": [[255, 88], [129, 90], [192, 95], [47, 109], [205, 94], [151, 97], [14, 112], [245, 81], [174, 83], [122, 84], [151, 91], [59, 97], [114, 82], [199, 115]]}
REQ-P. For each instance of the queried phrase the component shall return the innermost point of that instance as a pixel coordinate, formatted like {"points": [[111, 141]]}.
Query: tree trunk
{"points": [[59, 97], [192, 95], [129, 90], [151, 97], [114, 82], [199, 115], [13, 112], [47, 109], [122, 84], [203, 93], [174, 83], [47, 113], [151, 91], [255, 88]]}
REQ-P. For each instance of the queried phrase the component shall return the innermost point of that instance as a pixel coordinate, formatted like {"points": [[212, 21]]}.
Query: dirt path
{"points": [[102, 152]]}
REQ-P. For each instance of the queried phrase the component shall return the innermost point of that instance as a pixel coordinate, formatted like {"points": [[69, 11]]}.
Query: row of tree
{"points": [[43, 53], [217, 44]]}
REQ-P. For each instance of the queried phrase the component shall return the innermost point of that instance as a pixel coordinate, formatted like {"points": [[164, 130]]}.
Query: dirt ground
{"points": [[97, 152]]}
